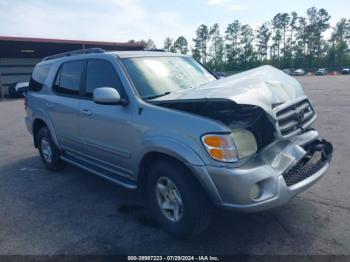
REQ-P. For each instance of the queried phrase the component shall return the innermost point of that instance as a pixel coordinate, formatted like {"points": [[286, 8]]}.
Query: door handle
{"points": [[86, 112], [49, 105]]}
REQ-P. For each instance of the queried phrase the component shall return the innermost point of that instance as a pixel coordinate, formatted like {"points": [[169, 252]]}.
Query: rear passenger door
{"points": [[106, 130], [63, 105]]}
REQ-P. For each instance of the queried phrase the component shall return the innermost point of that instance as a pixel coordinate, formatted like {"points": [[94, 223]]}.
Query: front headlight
{"points": [[245, 143], [230, 147], [220, 147]]}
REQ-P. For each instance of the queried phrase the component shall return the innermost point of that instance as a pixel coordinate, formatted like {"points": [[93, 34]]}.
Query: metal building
{"points": [[18, 55]]}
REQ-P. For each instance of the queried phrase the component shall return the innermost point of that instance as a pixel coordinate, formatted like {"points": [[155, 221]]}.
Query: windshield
{"points": [[157, 76]]}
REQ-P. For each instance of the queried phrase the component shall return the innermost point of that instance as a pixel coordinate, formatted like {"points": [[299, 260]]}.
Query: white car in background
{"points": [[18, 89], [299, 72], [345, 71]]}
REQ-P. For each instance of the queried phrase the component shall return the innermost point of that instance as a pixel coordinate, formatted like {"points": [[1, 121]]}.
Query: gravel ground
{"points": [[74, 212]]}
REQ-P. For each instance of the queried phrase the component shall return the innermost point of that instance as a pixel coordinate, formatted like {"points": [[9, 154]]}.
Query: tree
{"points": [[247, 37], [200, 43], [342, 31], [284, 22], [338, 54], [216, 50], [318, 23], [168, 44], [232, 35], [263, 35], [288, 40], [181, 45], [148, 45], [293, 28], [196, 54], [277, 37], [302, 40]]}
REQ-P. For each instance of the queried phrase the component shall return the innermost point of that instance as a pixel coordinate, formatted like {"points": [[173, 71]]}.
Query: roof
{"points": [[66, 41], [26, 47], [129, 54]]}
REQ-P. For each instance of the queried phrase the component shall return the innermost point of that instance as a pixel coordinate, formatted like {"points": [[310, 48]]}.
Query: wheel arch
{"points": [[150, 157], [146, 162], [38, 123]]}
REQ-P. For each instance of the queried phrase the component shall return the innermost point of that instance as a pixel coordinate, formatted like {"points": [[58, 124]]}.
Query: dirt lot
{"points": [[73, 212]]}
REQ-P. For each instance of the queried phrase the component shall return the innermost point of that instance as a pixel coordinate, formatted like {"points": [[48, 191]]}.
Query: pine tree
{"points": [[232, 36], [263, 35], [247, 37], [168, 44], [200, 43], [181, 45], [216, 49]]}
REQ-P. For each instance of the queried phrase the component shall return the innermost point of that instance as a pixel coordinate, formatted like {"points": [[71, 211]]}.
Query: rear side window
{"points": [[69, 78], [39, 76], [100, 73]]}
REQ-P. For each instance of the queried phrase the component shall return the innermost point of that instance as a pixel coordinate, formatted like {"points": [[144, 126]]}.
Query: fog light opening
{"points": [[255, 191]]}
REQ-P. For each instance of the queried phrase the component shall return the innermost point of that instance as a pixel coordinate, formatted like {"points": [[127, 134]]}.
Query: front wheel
{"points": [[176, 200], [49, 153]]}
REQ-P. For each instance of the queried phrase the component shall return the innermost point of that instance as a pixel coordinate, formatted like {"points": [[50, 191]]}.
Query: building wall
{"points": [[16, 64], [13, 70]]}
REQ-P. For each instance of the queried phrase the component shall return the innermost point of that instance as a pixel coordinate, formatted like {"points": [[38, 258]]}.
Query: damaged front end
{"points": [[272, 178], [318, 155], [288, 158], [264, 100], [234, 116]]}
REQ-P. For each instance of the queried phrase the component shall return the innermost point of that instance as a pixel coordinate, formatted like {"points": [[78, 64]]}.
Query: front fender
{"points": [[186, 155], [171, 147]]}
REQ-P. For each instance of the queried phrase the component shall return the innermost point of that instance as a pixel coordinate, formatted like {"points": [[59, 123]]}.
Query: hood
{"points": [[264, 86]]}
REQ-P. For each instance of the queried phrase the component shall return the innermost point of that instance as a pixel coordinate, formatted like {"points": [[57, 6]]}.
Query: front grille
{"points": [[295, 118], [317, 157]]}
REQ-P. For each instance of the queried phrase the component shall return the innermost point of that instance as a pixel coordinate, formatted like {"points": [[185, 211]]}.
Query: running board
{"points": [[99, 171]]}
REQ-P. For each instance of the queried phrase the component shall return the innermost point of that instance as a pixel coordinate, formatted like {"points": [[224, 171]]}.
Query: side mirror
{"points": [[107, 96]]}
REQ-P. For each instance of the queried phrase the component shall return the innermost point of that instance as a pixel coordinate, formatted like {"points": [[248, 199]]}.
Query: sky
{"points": [[122, 20]]}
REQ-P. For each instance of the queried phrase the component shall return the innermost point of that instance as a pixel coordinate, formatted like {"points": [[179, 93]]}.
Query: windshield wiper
{"points": [[155, 96]]}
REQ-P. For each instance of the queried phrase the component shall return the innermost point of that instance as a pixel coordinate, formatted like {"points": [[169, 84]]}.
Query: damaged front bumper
{"points": [[274, 176]]}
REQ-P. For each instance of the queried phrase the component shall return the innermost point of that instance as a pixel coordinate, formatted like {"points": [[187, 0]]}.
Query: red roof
{"points": [[65, 41]]}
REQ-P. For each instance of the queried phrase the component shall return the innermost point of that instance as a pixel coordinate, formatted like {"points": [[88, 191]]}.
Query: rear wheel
{"points": [[176, 200], [49, 153]]}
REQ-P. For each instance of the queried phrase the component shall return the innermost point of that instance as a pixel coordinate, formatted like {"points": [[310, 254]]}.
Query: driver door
{"points": [[106, 130]]}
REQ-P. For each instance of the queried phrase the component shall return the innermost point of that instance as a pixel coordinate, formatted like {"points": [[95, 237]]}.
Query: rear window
{"points": [[69, 78], [39, 76]]}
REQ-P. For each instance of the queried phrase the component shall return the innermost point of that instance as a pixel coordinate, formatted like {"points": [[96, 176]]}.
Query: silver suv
{"points": [[165, 125]]}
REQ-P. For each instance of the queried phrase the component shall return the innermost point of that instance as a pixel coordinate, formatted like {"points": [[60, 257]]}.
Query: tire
{"points": [[195, 214], [49, 153]]}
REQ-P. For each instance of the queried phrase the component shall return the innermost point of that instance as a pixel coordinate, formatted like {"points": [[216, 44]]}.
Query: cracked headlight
{"points": [[230, 147]]}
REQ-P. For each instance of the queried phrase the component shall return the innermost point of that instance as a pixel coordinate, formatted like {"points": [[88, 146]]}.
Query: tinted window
{"points": [[39, 76], [69, 77], [101, 73]]}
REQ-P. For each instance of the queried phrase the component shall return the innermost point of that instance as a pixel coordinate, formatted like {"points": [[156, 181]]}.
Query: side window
{"points": [[39, 76], [100, 73], [69, 78]]}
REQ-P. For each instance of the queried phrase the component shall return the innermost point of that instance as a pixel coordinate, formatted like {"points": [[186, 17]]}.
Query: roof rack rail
{"points": [[155, 50], [77, 52]]}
